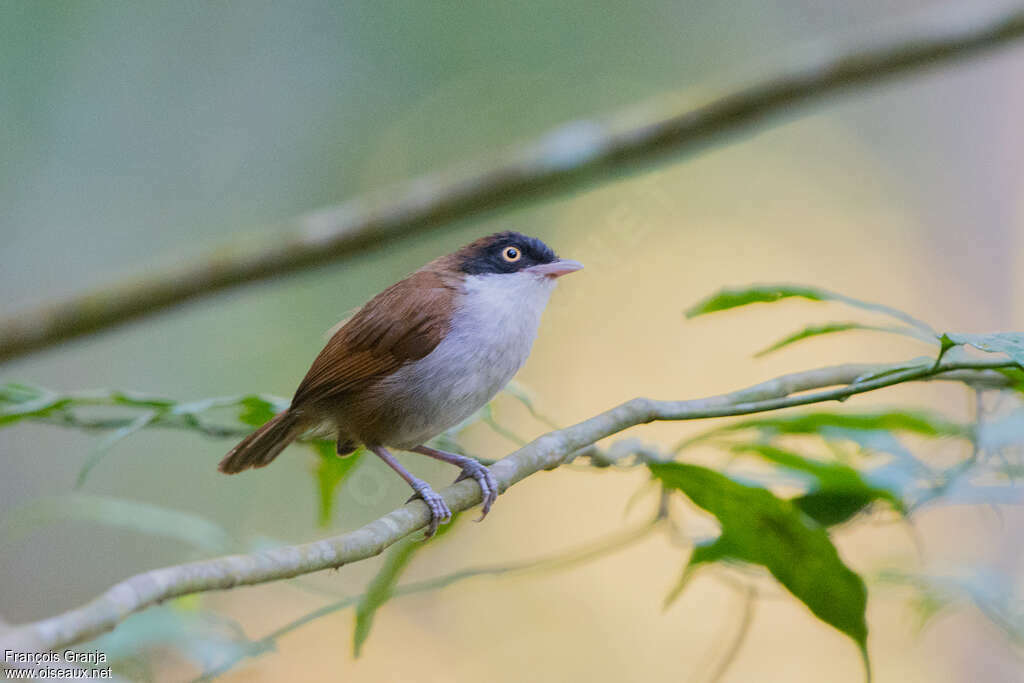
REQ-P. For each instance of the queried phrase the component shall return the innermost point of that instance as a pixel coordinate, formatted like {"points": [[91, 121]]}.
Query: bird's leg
{"points": [[471, 469], [439, 512]]}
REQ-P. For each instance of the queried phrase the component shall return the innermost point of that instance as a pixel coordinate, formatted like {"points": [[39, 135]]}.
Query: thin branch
{"points": [[68, 419], [749, 595], [564, 560], [545, 452], [566, 157]]}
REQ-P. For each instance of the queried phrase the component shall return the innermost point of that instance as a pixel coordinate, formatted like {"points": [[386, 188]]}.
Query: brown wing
{"points": [[403, 323]]}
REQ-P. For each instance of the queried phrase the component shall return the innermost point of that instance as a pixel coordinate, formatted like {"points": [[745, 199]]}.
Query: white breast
{"points": [[489, 339]]}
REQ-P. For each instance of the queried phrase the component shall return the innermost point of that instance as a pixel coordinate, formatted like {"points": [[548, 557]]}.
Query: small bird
{"points": [[420, 357]]}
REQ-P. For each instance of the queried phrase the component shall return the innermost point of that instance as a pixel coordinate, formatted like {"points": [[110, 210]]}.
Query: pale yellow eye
{"points": [[511, 254]]}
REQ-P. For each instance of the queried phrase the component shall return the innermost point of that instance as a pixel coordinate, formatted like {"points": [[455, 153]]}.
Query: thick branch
{"points": [[546, 452], [564, 158]]}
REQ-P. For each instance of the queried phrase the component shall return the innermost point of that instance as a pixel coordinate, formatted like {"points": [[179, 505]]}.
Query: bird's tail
{"points": [[263, 445]]}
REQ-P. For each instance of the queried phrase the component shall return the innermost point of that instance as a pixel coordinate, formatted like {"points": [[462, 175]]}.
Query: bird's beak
{"points": [[556, 268]]}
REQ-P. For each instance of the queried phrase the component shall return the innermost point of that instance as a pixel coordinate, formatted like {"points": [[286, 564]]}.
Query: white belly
{"points": [[489, 340]]}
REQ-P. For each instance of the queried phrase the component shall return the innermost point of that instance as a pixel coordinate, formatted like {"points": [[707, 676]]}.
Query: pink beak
{"points": [[557, 268]]}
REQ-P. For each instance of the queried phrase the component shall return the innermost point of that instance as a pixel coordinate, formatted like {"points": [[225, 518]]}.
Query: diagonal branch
{"points": [[577, 152], [563, 560], [546, 452]]}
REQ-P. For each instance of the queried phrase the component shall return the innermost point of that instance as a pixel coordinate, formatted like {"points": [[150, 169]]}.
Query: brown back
{"points": [[403, 323]]}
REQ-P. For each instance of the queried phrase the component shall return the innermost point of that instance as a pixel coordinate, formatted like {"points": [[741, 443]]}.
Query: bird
{"points": [[419, 358]]}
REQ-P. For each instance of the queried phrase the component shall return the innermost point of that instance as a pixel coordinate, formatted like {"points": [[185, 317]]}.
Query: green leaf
{"points": [[201, 636], [829, 508], [139, 400], [759, 528], [825, 424], [726, 299], [1010, 343], [1015, 376], [903, 472], [256, 410], [15, 394], [838, 491], [831, 328], [25, 406], [382, 587], [20, 402], [331, 472], [824, 474], [380, 590], [136, 516], [916, 422]]}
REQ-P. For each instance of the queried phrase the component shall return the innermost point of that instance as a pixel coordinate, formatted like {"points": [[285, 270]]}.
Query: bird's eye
{"points": [[511, 254]]}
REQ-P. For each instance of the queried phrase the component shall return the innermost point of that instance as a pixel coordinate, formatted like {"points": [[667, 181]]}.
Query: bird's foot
{"points": [[472, 469], [439, 510]]}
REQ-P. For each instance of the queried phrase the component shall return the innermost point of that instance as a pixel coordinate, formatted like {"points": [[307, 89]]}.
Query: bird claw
{"points": [[487, 481], [440, 513]]}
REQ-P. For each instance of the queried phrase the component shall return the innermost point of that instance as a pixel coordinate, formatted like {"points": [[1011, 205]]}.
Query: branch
{"points": [[563, 560], [749, 595], [545, 452], [564, 158]]}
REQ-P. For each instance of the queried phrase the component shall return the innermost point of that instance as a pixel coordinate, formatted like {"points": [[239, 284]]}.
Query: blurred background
{"points": [[138, 135]]}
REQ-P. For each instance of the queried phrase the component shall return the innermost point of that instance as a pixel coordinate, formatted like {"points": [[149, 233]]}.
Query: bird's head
{"points": [[505, 253]]}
